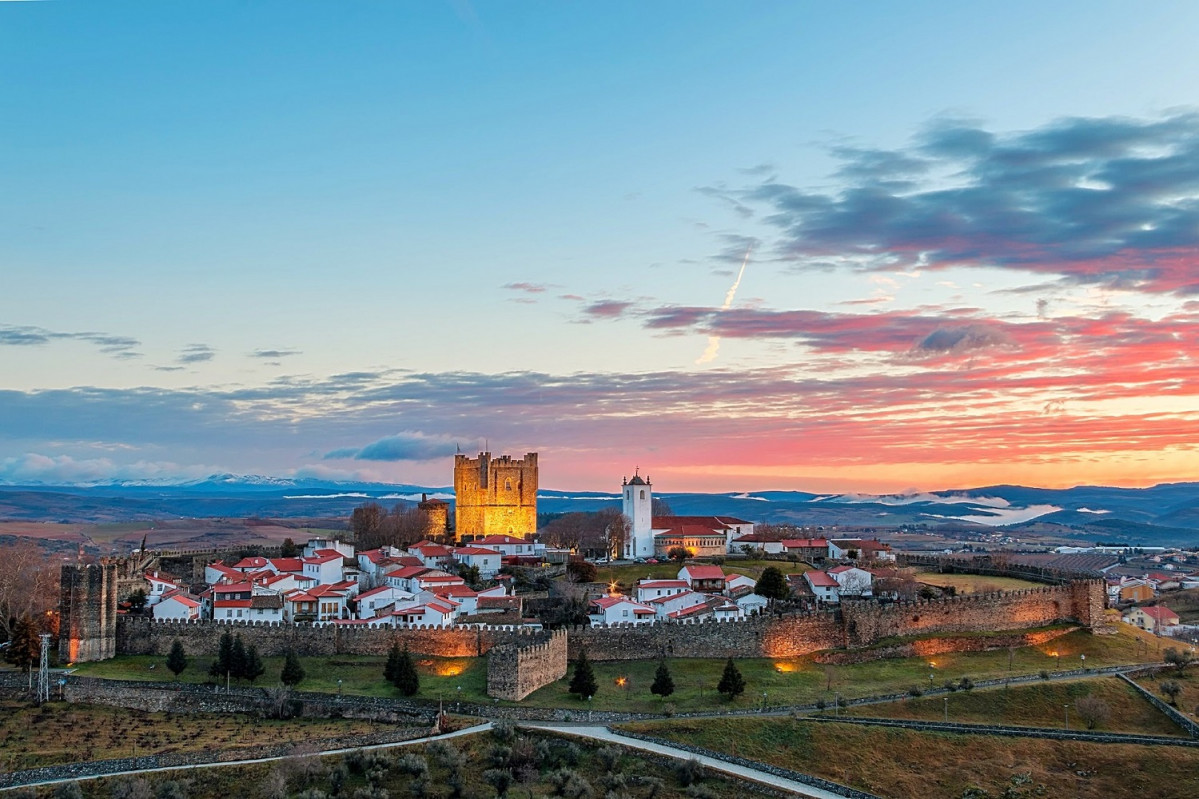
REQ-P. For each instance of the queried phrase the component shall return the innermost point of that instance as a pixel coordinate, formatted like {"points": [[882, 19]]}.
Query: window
{"points": [[643, 493], [239, 613], [624, 612], [507, 485]]}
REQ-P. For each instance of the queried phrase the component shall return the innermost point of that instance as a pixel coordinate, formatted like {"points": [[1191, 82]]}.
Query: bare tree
{"points": [[1093, 711], [617, 528], [28, 584]]}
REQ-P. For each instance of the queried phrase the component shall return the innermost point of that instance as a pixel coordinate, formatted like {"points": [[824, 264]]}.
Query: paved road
{"points": [[762, 777]]}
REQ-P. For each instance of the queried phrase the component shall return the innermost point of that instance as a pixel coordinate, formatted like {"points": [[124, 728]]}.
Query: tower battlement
{"points": [[495, 496]]}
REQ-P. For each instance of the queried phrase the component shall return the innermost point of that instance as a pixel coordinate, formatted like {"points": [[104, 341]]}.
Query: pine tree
{"points": [[732, 684], [237, 659], [407, 680], [663, 683], [293, 672], [583, 682], [224, 656], [253, 668], [177, 659], [24, 648]]}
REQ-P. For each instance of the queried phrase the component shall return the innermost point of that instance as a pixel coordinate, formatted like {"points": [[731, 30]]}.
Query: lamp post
{"points": [[946, 698], [1067, 709], [763, 701], [339, 689], [458, 704], [837, 704]]}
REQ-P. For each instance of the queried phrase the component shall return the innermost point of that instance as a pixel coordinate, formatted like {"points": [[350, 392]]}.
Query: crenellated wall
{"points": [[516, 670]]}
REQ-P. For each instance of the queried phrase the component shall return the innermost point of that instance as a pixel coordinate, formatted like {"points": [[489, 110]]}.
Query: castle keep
{"points": [[495, 496]]}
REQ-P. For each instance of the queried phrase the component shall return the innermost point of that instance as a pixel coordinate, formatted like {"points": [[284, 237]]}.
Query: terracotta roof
{"points": [[805, 543], [324, 556], [820, 579], [662, 584], [250, 563], [232, 588], [456, 589], [501, 539], [288, 564], [703, 572], [1160, 613], [232, 603], [182, 599], [267, 601], [475, 551]]}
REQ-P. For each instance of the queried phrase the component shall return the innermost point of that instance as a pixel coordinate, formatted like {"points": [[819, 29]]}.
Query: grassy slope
{"points": [[1188, 699], [903, 764], [976, 583], [786, 682], [59, 733], [1038, 705], [531, 757]]}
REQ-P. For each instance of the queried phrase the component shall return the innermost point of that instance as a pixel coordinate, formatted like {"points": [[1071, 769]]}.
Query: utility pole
{"points": [[43, 672]]}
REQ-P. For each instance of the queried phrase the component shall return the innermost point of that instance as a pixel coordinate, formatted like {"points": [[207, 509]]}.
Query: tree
{"points": [[660, 507], [678, 554], [237, 658], [583, 682], [392, 667], [253, 667], [663, 683], [288, 549], [177, 659], [1092, 710], [1179, 658], [500, 779], [1171, 690], [293, 672], [24, 647], [137, 600], [581, 571], [29, 584], [220, 666], [617, 530], [732, 684], [772, 584], [406, 678]]}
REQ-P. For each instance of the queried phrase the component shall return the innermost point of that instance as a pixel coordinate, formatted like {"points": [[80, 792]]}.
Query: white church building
{"points": [[637, 503]]}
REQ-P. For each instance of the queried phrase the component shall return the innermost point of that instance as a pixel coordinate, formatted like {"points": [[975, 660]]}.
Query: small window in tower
{"points": [[507, 485], [643, 493]]}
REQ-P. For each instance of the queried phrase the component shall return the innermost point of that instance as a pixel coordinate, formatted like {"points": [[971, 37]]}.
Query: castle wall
{"points": [[88, 610], [516, 670], [495, 496]]}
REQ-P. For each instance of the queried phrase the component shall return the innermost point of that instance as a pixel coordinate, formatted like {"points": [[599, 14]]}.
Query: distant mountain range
{"points": [[1167, 512]]}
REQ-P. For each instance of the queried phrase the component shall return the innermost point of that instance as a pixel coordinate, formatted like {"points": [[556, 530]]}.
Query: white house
{"points": [[433, 556], [488, 560], [433, 613], [619, 610], [508, 545], [653, 589], [266, 607], [160, 587], [755, 542], [752, 604], [315, 545], [333, 599], [463, 595], [667, 605], [217, 572], [737, 583], [369, 602], [859, 548], [324, 566], [824, 587], [852, 581], [177, 606]]}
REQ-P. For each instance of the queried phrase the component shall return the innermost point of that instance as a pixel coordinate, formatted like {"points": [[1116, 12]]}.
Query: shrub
{"points": [[581, 571], [951, 686], [1092, 710], [583, 683], [688, 772], [412, 765], [132, 788], [732, 684], [966, 684], [503, 730], [915, 691], [1044, 674], [821, 704], [293, 671], [68, 790], [1171, 690], [610, 757], [499, 779], [701, 792], [663, 683]]}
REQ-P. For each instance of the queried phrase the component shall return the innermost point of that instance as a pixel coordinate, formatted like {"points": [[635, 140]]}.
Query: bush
{"points": [[610, 757], [821, 704], [1092, 710], [412, 765], [688, 772], [503, 730], [701, 792], [951, 686], [966, 684], [132, 788], [1170, 689], [1044, 674], [915, 691], [499, 779], [68, 790], [581, 571]]}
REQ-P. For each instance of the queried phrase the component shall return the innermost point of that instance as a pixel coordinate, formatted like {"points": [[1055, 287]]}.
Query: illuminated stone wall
{"points": [[516, 670], [495, 496]]}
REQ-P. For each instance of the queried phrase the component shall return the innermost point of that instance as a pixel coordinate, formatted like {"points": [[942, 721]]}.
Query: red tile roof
{"points": [[820, 579], [703, 572]]}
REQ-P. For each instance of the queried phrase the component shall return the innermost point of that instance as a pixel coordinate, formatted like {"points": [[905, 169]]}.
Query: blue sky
{"points": [[341, 238]]}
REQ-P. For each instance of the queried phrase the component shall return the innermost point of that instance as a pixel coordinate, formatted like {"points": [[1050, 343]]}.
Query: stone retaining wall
{"points": [[1177, 717], [1010, 731]]}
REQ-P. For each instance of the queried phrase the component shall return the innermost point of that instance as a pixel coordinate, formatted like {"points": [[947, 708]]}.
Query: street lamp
{"points": [[763, 701], [837, 704], [458, 705], [339, 689], [946, 698], [1067, 709]]}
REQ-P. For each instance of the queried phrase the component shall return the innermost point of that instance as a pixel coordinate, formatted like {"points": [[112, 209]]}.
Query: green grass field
{"points": [[1037, 705], [975, 583], [625, 685], [904, 764]]}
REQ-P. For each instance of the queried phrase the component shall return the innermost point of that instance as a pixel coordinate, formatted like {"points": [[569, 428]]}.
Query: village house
{"points": [[653, 589], [325, 566], [619, 610], [510, 545], [858, 549], [372, 601], [703, 578], [161, 587], [852, 581], [756, 543], [666, 606], [487, 560], [811, 550], [1152, 619], [177, 606], [823, 587]]}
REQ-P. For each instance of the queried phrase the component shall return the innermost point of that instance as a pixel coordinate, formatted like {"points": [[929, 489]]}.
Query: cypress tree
{"points": [[407, 680], [224, 656], [583, 682], [293, 672], [392, 669], [772, 584], [663, 683], [253, 667], [177, 659], [237, 659], [732, 684], [24, 648]]}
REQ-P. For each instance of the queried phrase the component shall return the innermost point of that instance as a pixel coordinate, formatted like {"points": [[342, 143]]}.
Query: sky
{"points": [[738, 246]]}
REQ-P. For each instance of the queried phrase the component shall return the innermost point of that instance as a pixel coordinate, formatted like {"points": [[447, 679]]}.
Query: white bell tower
{"points": [[637, 504]]}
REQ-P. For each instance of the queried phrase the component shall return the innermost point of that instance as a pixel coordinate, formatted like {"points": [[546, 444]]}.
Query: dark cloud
{"points": [[607, 309], [196, 353], [22, 336], [274, 354], [961, 339], [401, 447], [1112, 201]]}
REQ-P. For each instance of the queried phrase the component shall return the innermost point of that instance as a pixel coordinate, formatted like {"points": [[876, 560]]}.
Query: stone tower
{"points": [[637, 503], [88, 612], [495, 496]]}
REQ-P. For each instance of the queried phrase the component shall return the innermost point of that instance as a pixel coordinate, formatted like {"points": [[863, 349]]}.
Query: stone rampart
{"points": [[516, 670]]}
